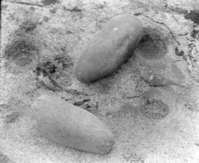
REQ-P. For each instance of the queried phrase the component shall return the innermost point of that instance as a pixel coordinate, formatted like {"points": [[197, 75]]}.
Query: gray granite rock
{"points": [[69, 125], [109, 48]]}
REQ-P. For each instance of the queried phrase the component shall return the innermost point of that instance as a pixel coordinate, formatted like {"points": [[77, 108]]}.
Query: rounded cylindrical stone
{"points": [[69, 125], [109, 48]]}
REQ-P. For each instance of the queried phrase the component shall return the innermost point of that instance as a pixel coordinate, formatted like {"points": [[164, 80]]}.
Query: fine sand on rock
{"points": [[150, 103]]}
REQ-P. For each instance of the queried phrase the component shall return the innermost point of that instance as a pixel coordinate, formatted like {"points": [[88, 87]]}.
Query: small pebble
{"points": [[109, 48], [69, 125]]}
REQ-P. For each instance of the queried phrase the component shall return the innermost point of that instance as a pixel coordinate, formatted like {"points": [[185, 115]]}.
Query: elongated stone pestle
{"points": [[71, 126], [109, 48]]}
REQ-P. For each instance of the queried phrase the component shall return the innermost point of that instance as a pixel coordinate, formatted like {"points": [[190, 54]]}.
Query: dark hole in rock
{"points": [[155, 109], [21, 51], [178, 52], [81, 102], [93, 108], [193, 15], [152, 45], [49, 2], [45, 67], [87, 104], [51, 66], [57, 70]]}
